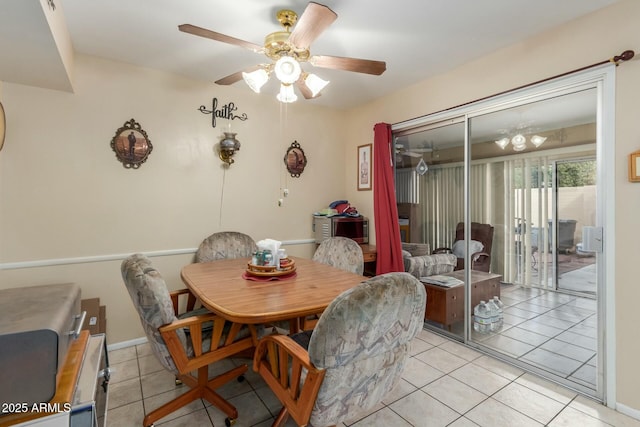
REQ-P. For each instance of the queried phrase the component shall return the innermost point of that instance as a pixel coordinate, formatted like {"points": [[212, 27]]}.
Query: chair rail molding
{"points": [[116, 257]]}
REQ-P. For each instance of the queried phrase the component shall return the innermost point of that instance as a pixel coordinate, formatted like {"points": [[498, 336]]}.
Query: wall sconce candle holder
{"points": [[228, 147]]}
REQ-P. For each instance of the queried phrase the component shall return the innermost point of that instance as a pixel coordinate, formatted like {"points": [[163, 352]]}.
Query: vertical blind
{"points": [[526, 251], [440, 194]]}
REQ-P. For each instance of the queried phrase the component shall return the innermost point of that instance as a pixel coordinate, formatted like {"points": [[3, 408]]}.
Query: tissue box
{"points": [[273, 246]]}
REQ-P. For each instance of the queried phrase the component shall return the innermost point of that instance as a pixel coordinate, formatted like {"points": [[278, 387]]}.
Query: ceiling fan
{"points": [[413, 152], [287, 49]]}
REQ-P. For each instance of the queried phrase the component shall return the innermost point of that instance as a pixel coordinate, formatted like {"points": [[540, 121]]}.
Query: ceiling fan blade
{"points": [[203, 32], [349, 64], [235, 77], [411, 154], [313, 21]]}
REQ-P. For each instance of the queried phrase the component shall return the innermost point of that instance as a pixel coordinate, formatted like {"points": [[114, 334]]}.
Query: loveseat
{"points": [[419, 262]]}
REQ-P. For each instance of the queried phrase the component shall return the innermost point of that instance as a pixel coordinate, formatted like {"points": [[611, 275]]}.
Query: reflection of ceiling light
{"points": [[287, 70], [519, 142], [422, 167], [537, 140], [502, 143]]}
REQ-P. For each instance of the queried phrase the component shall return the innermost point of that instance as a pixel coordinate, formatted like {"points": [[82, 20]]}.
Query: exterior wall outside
{"points": [[589, 40]]}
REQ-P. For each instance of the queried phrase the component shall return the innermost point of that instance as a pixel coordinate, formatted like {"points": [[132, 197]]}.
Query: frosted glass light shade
{"points": [[286, 94], [519, 142], [256, 79], [287, 70], [315, 84], [502, 143], [538, 140]]}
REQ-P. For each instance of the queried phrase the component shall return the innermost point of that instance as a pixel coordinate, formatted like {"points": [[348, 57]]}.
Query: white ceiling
{"points": [[416, 38]]}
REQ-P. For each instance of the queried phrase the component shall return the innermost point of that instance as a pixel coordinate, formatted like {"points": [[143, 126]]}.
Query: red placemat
{"points": [[248, 276]]}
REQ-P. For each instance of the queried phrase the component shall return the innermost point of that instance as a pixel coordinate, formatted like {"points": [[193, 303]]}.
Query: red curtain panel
{"points": [[385, 210]]}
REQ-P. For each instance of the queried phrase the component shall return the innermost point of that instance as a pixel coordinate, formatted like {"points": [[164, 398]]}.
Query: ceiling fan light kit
{"points": [[287, 70], [256, 79], [286, 95], [288, 49], [315, 84]]}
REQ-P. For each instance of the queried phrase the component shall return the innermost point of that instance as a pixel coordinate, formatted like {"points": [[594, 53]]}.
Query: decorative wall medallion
{"points": [[224, 112], [131, 145], [295, 160]]}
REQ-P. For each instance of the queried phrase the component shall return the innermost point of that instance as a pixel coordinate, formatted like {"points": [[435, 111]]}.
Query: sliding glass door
{"points": [[540, 192], [504, 189], [430, 193]]}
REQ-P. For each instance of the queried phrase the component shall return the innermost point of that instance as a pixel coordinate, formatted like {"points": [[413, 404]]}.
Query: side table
{"points": [[370, 256], [446, 305]]}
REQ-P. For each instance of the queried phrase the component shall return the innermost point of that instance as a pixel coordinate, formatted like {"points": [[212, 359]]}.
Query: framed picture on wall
{"points": [[634, 166], [364, 167]]}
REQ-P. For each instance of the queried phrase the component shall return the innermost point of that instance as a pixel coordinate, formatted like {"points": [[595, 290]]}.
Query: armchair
{"points": [[481, 240], [184, 344], [352, 359], [419, 262]]}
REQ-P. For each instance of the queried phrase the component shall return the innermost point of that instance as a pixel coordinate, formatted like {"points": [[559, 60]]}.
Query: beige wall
{"points": [[589, 40], [64, 195]]}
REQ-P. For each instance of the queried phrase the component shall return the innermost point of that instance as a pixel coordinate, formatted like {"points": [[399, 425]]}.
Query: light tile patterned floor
{"points": [[549, 330], [445, 384]]}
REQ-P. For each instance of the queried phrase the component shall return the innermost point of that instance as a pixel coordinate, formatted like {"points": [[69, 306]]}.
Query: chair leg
{"points": [[219, 402], [208, 392], [171, 406], [282, 417]]}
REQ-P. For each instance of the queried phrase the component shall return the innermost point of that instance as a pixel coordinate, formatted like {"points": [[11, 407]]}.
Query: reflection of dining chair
{"points": [[184, 344], [226, 245], [480, 242], [352, 359]]}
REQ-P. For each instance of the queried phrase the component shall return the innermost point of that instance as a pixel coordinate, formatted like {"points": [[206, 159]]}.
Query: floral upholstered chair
{"points": [[226, 245], [338, 252], [184, 344], [419, 262], [342, 253], [353, 357]]}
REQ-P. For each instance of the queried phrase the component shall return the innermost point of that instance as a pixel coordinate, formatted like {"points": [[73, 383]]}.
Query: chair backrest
{"points": [[151, 299], [362, 341], [342, 253], [482, 233], [226, 245]]}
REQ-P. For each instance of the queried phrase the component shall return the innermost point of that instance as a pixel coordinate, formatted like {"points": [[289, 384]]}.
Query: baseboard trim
{"points": [[125, 344], [624, 409]]}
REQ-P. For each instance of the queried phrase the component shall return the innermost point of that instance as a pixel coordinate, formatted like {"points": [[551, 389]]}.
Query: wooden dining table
{"points": [[221, 288]]}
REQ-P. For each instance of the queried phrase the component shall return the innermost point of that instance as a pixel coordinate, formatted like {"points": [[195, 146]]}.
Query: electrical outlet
{"points": [[285, 192], [280, 202]]}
